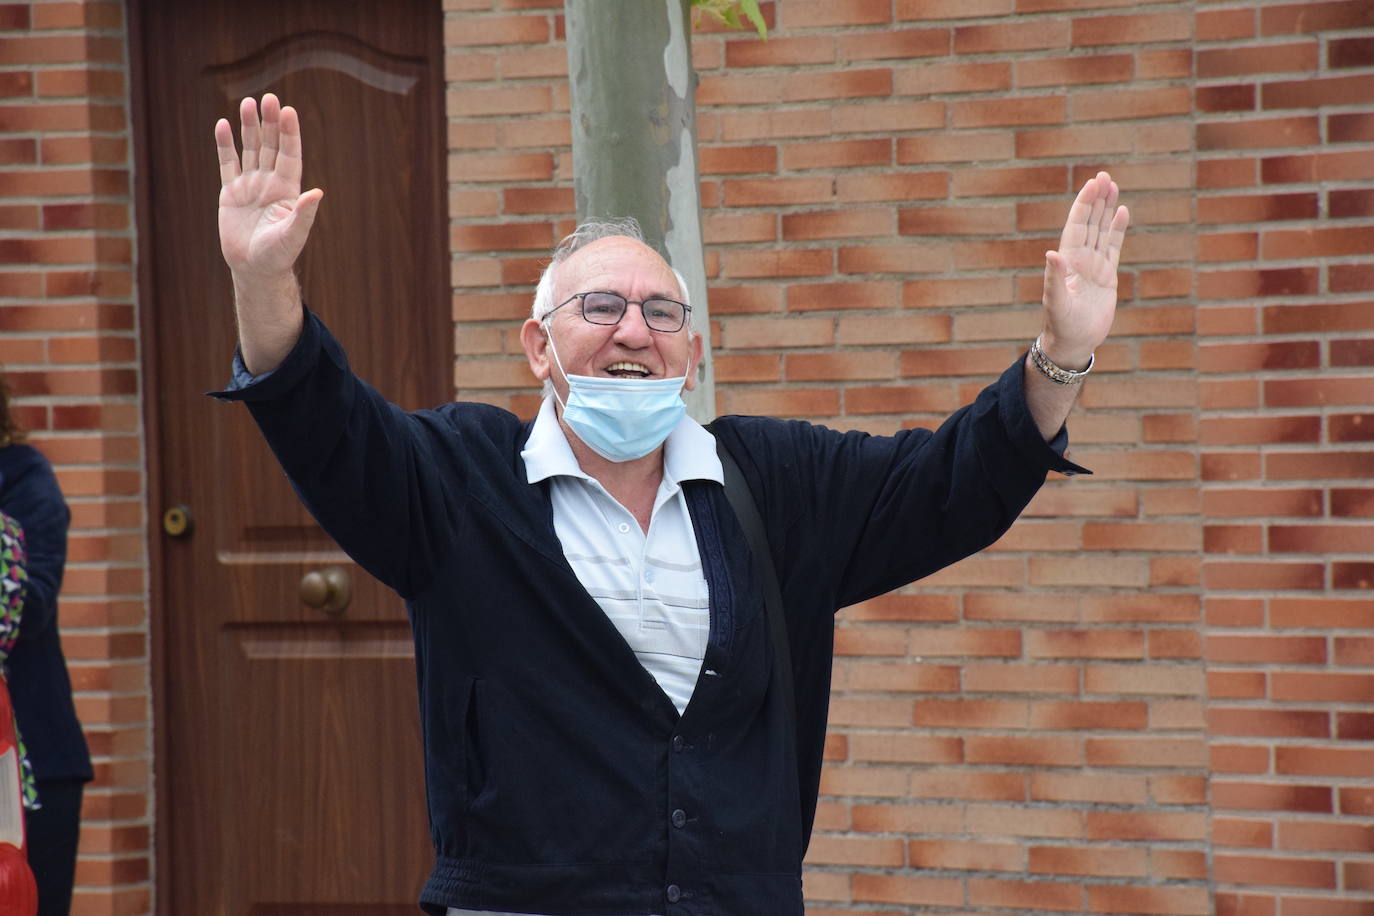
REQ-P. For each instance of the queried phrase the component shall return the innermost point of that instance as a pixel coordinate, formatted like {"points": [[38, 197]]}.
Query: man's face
{"points": [[629, 349]]}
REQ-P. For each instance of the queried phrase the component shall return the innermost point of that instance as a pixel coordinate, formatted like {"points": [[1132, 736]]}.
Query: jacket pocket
{"points": [[474, 764]]}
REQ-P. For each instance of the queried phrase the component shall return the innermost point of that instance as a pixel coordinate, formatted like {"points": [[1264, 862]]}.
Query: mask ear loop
{"points": [[548, 335]]}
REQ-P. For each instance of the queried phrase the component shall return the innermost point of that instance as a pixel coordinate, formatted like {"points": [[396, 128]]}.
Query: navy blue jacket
{"points": [[38, 681], [560, 777]]}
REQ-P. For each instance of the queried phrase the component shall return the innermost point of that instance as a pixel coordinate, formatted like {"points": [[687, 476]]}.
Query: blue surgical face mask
{"points": [[621, 419]]}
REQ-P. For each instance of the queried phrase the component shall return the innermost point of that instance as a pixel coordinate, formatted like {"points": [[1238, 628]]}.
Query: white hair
{"points": [[589, 231]]}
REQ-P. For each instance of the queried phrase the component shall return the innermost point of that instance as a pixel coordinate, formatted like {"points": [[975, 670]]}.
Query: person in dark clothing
{"points": [[603, 730], [40, 687]]}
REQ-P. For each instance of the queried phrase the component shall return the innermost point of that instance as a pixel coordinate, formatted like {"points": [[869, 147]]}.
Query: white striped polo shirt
{"points": [[650, 584]]}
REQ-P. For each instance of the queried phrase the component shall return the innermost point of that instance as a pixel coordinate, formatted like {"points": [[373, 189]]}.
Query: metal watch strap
{"points": [[1056, 373]]}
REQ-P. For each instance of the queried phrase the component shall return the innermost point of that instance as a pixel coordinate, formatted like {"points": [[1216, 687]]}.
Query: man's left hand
{"points": [[1080, 278]]}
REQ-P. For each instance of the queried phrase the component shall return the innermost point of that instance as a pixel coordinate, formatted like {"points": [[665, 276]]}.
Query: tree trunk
{"points": [[634, 138]]}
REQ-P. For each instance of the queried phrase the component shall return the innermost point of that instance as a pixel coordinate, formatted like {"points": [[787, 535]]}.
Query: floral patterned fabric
{"points": [[12, 579]]}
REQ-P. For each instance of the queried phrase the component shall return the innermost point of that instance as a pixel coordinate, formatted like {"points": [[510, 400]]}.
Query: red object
{"points": [[18, 891]]}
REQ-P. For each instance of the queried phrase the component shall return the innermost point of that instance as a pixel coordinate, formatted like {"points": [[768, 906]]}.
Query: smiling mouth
{"points": [[625, 369]]}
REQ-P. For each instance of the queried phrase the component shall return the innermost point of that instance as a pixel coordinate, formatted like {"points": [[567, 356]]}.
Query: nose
{"points": [[632, 330]]}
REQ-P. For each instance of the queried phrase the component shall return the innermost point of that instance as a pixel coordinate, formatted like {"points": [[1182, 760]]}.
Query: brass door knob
{"points": [[327, 589], [177, 521]]}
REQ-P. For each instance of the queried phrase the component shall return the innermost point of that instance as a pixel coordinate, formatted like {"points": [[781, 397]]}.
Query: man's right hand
{"points": [[264, 220]]}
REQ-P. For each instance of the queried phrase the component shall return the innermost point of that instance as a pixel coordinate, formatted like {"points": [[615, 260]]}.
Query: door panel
{"points": [[291, 776], [318, 785]]}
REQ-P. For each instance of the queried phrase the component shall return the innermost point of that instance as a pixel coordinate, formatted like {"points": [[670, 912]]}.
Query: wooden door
{"points": [[289, 768]]}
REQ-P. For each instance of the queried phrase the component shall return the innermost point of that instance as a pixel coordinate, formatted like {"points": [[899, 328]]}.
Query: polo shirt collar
{"points": [[689, 452]]}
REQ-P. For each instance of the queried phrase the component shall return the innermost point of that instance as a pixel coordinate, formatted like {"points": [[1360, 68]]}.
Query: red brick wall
{"points": [[69, 347], [1153, 696], [1285, 216]]}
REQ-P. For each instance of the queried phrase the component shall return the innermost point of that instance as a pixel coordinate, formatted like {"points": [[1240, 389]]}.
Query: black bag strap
{"points": [[747, 512]]}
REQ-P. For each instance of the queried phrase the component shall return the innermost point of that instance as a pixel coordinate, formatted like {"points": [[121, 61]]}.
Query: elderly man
{"points": [[609, 727]]}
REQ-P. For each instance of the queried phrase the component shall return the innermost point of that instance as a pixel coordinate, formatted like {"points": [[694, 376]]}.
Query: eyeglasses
{"points": [[665, 315]]}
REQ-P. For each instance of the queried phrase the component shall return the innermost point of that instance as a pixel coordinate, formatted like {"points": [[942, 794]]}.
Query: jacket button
{"points": [[679, 818], [674, 893], [679, 742]]}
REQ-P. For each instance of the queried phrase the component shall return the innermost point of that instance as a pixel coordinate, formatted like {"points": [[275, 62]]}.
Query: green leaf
{"points": [[727, 13], [751, 9], [714, 7]]}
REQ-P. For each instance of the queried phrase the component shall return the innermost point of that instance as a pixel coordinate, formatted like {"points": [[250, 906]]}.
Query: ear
{"points": [[535, 340], [693, 361]]}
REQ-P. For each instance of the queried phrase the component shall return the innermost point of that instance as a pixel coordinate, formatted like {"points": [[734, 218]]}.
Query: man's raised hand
{"points": [[264, 219], [1080, 278]]}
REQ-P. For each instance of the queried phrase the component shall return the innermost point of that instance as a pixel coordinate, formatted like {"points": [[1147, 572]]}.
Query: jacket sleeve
{"points": [[367, 470], [884, 511], [30, 496]]}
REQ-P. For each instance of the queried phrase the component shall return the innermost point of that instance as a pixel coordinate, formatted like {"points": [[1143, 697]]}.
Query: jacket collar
{"points": [[688, 454]]}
